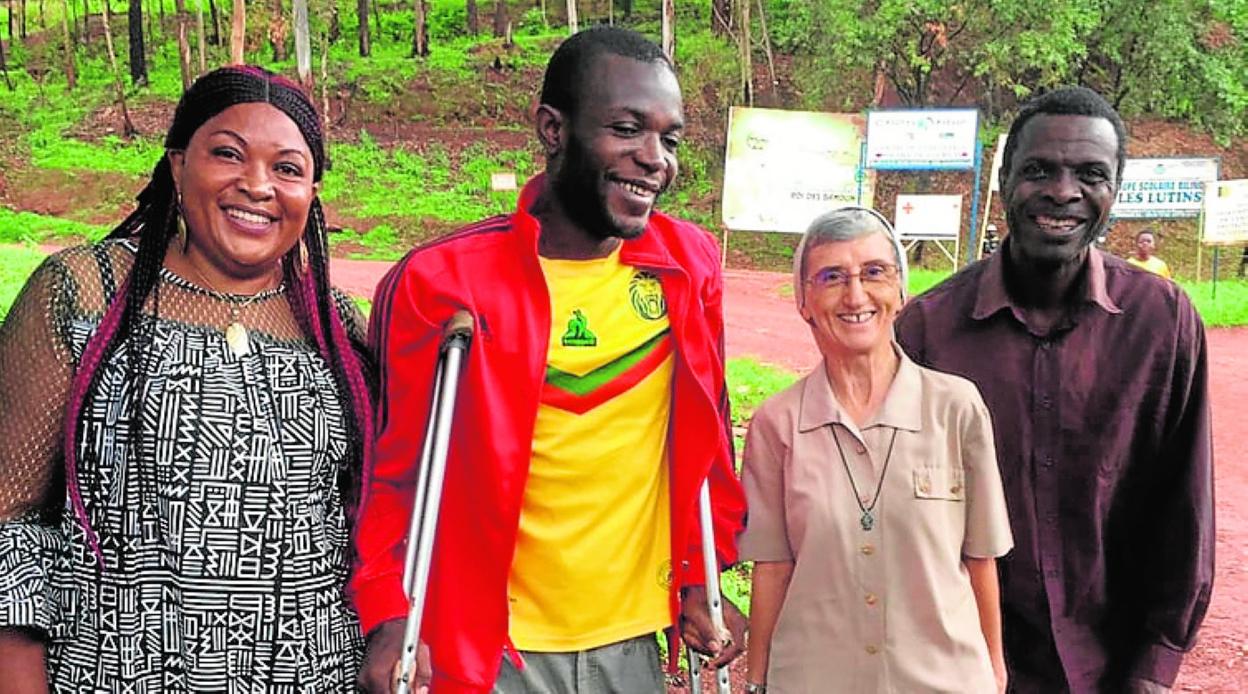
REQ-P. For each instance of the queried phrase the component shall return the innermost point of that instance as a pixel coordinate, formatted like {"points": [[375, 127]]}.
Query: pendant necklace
{"points": [[236, 338], [867, 520]]}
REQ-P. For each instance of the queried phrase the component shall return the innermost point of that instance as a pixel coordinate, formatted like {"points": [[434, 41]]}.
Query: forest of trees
{"points": [[1181, 59]]}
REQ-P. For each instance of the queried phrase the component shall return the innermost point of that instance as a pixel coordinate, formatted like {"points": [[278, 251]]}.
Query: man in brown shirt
{"points": [[1095, 376]]}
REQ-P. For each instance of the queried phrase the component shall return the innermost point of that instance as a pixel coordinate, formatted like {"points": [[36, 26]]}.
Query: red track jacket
{"points": [[491, 269]]}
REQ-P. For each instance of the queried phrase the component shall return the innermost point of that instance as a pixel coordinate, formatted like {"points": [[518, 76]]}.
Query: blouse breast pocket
{"points": [[944, 483]]}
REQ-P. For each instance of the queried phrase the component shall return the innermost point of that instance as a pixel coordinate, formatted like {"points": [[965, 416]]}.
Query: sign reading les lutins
{"points": [[1163, 188]]}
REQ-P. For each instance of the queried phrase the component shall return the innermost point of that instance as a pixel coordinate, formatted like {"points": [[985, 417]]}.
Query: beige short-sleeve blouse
{"points": [[888, 609]]}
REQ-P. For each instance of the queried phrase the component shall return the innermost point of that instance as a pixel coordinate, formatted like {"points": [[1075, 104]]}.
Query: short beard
{"points": [[578, 187]]}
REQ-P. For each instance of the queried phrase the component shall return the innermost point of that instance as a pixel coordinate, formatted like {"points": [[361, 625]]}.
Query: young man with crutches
{"points": [[591, 410]]}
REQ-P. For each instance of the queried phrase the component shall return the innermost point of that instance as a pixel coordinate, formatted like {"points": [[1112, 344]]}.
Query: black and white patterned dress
{"points": [[217, 494]]}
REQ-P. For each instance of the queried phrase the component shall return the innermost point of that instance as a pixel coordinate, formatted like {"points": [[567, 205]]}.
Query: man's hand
{"points": [[1139, 686], [698, 630], [380, 670]]}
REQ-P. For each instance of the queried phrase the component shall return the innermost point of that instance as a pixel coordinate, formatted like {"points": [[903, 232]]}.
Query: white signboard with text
{"points": [[928, 217], [784, 168], [1163, 188], [922, 139], [1225, 217]]}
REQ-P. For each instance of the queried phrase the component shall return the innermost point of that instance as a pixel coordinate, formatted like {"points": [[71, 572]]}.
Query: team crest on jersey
{"points": [[665, 575], [578, 333], [645, 293]]}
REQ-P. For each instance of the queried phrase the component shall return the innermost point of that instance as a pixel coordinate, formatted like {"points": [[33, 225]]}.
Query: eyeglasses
{"points": [[870, 274]]}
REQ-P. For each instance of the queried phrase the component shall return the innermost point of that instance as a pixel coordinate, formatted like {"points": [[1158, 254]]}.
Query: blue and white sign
{"points": [[922, 139], [1163, 188]]}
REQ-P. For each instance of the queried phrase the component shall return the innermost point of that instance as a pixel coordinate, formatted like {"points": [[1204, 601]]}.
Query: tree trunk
{"points": [[138, 59], [184, 45], [303, 45], [500, 18], [473, 25], [277, 30], [43, 17], [376, 15], [86, 22], [771, 61], [151, 37], [21, 17], [238, 33], [573, 24], [127, 127], [747, 64], [669, 30], [4, 67], [71, 74], [721, 17], [420, 32], [335, 26], [216, 23], [361, 8], [199, 36], [11, 19]]}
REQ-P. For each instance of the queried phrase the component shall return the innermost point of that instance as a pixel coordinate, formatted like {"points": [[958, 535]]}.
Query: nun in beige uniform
{"points": [[876, 509]]}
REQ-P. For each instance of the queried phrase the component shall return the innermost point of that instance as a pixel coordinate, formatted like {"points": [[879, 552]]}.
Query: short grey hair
{"points": [[844, 224]]}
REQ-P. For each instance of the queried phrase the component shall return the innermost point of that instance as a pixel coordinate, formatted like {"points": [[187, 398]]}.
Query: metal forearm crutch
{"points": [[710, 568], [455, 340]]}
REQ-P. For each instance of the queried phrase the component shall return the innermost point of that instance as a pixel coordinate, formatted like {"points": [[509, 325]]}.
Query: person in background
{"points": [[876, 511], [1096, 376], [186, 418], [1145, 247]]}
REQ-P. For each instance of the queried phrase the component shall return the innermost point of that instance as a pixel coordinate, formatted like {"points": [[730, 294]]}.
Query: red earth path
{"points": [[762, 323]]}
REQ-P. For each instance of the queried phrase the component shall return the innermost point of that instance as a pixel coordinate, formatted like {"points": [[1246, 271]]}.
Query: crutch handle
{"points": [[461, 325]]}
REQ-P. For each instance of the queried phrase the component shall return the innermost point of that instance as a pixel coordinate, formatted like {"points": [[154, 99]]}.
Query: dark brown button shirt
{"points": [[1104, 445]]}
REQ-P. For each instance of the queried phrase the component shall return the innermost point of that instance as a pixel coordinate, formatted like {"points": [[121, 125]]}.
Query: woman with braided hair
{"points": [[185, 417]]}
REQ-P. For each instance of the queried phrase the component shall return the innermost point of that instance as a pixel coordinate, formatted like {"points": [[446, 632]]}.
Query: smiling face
{"points": [[246, 184], [1060, 187], [856, 318], [619, 147]]}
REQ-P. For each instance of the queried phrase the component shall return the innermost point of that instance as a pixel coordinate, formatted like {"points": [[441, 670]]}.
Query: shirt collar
{"points": [[992, 295], [901, 408]]}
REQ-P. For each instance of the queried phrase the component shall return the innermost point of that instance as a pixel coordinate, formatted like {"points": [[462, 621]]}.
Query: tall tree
{"points": [[747, 63], [335, 26], [21, 17], [238, 33], [668, 29], [420, 32], [184, 44], [127, 126], [474, 26], [303, 45], [199, 36], [721, 17], [216, 23], [71, 74], [277, 30], [361, 8], [138, 58], [4, 67], [573, 23], [502, 21]]}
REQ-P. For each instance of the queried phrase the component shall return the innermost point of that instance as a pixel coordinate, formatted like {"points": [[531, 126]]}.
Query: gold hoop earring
{"points": [[184, 238]]}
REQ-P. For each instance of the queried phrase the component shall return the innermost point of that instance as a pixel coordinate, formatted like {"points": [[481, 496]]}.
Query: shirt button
{"points": [[872, 650], [925, 487], [1048, 461], [1046, 402], [871, 599], [861, 450], [955, 489], [868, 549]]}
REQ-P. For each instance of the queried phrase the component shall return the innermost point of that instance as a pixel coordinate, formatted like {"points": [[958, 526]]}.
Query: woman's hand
{"points": [[21, 660]]}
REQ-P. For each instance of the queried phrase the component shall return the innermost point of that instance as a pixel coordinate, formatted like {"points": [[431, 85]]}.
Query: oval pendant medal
{"points": [[236, 339]]}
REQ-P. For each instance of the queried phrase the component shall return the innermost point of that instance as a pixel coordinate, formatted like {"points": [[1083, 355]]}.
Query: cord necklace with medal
{"points": [[867, 519], [236, 338]]}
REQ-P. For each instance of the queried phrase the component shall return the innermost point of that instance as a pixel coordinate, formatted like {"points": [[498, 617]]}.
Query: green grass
{"points": [[16, 264], [28, 227], [1229, 307], [750, 383]]}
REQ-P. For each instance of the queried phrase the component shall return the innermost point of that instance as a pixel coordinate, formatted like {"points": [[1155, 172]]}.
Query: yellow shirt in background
{"points": [[592, 563], [1155, 265]]}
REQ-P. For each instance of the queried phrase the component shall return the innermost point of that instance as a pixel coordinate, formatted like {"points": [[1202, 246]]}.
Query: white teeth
{"points": [[636, 189], [857, 317], [249, 217], [1054, 223]]}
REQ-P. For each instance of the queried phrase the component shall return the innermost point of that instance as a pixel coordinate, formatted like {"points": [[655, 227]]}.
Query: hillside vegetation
{"points": [[413, 140]]}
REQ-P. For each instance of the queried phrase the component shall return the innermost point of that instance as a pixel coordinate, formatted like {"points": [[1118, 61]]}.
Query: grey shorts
{"points": [[625, 667]]}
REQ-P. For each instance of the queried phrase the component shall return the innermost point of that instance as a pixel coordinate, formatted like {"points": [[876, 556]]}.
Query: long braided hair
{"points": [[154, 223]]}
